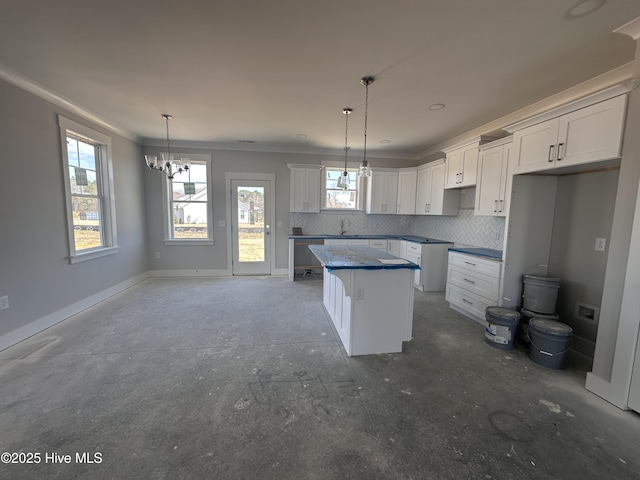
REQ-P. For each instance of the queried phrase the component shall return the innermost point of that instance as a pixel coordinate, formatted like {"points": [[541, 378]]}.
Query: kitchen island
{"points": [[369, 296]]}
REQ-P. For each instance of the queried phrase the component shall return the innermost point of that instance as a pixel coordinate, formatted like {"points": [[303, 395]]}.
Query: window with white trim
{"points": [[337, 197], [188, 207], [88, 178]]}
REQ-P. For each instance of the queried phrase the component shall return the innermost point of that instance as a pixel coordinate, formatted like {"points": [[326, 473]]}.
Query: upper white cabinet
{"points": [[461, 165], [431, 196], [492, 189], [588, 134], [382, 191], [407, 181], [304, 195]]}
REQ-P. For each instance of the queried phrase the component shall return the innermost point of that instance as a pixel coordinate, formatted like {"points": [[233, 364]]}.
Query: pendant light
{"points": [[168, 165], [343, 181], [365, 169]]}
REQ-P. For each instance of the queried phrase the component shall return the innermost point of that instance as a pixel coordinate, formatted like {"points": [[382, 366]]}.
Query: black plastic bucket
{"points": [[540, 294], [549, 341], [502, 325], [523, 327]]}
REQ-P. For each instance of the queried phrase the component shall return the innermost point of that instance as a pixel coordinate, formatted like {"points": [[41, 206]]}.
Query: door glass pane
{"points": [[251, 234]]}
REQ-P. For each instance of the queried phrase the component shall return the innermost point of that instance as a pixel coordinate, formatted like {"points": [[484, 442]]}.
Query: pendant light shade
{"points": [[365, 169], [344, 180]]}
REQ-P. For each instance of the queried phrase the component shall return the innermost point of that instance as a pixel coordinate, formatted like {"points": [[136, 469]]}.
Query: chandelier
{"points": [[365, 169], [167, 164], [343, 181]]}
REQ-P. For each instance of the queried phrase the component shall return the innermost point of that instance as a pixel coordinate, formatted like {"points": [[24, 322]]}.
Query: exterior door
{"points": [[251, 227]]}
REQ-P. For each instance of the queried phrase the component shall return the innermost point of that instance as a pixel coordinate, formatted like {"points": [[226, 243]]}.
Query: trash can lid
{"points": [[502, 312], [551, 327], [540, 278]]}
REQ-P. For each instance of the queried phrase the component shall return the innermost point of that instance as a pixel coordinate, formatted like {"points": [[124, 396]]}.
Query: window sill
{"points": [[83, 257], [189, 242]]}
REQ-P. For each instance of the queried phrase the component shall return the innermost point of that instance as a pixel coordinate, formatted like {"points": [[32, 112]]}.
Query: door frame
{"points": [[262, 177]]}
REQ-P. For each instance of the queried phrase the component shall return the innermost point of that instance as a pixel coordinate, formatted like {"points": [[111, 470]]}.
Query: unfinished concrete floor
{"points": [[244, 378]]}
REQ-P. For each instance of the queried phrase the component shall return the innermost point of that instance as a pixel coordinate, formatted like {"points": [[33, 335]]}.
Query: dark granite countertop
{"points": [[409, 238], [478, 251], [336, 257]]}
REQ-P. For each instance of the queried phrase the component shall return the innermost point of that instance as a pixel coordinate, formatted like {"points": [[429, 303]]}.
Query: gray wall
{"points": [[584, 212], [34, 270]]}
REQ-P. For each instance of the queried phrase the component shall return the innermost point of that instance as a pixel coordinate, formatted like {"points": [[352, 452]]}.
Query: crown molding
{"points": [[632, 29], [38, 90]]}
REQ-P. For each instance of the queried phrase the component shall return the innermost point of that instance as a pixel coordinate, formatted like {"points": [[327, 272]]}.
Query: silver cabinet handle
{"points": [[495, 206], [501, 206], [469, 281], [467, 301], [560, 145], [470, 263], [550, 159]]}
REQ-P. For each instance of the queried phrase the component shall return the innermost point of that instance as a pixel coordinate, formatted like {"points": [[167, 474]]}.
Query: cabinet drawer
{"points": [[478, 283], [414, 247], [379, 244], [472, 303], [473, 263]]}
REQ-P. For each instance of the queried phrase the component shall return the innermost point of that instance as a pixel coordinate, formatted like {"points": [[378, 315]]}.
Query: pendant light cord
{"points": [[346, 112], [166, 119]]}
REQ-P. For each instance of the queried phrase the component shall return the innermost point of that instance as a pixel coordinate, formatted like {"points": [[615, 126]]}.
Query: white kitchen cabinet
{"points": [[379, 244], [473, 284], [431, 196], [393, 247], [589, 134], [304, 194], [407, 181], [382, 191], [432, 258], [492, 189], [461, 166], [347, 241]]}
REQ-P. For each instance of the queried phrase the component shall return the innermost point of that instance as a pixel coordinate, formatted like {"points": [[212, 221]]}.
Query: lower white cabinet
{"points": [[379, 243], [473, 284], [432, 258]]}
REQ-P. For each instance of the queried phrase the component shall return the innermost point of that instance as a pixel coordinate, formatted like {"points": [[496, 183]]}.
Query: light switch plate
{"points": [[601, 244], [4, 302]]}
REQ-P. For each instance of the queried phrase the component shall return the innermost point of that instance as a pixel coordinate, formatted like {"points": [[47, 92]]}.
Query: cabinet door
{"points": [[505, 181], [490, 167], [436, 201], [375, 192], [535, 146], [382, 193], [407, 192], [423, 190], [469, 163], [313, 179], [297, 191], [304, 193], [591, 134], [453, 168], [393, 247], [391, 192]]}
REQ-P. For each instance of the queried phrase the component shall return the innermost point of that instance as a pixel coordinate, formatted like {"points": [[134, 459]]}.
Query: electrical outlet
{"points": [[601, 244], [4, 302]]}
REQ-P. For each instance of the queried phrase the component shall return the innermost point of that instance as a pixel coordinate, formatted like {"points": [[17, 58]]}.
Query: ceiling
{"points": [[238, 71]]}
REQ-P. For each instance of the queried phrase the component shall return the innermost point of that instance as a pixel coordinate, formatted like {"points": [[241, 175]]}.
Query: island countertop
{"points": [[341, 257]]}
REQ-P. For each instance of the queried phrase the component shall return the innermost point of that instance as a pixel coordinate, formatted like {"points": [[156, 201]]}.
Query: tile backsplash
{"points": [[466, 228]]}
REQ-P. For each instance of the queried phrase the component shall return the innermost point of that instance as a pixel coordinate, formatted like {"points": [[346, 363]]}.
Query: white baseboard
{"points": [[37, 326]]}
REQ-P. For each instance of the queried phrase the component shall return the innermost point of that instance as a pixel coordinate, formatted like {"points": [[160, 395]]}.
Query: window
{"points": [[89, 191], [339, 197], [188, 210]]}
